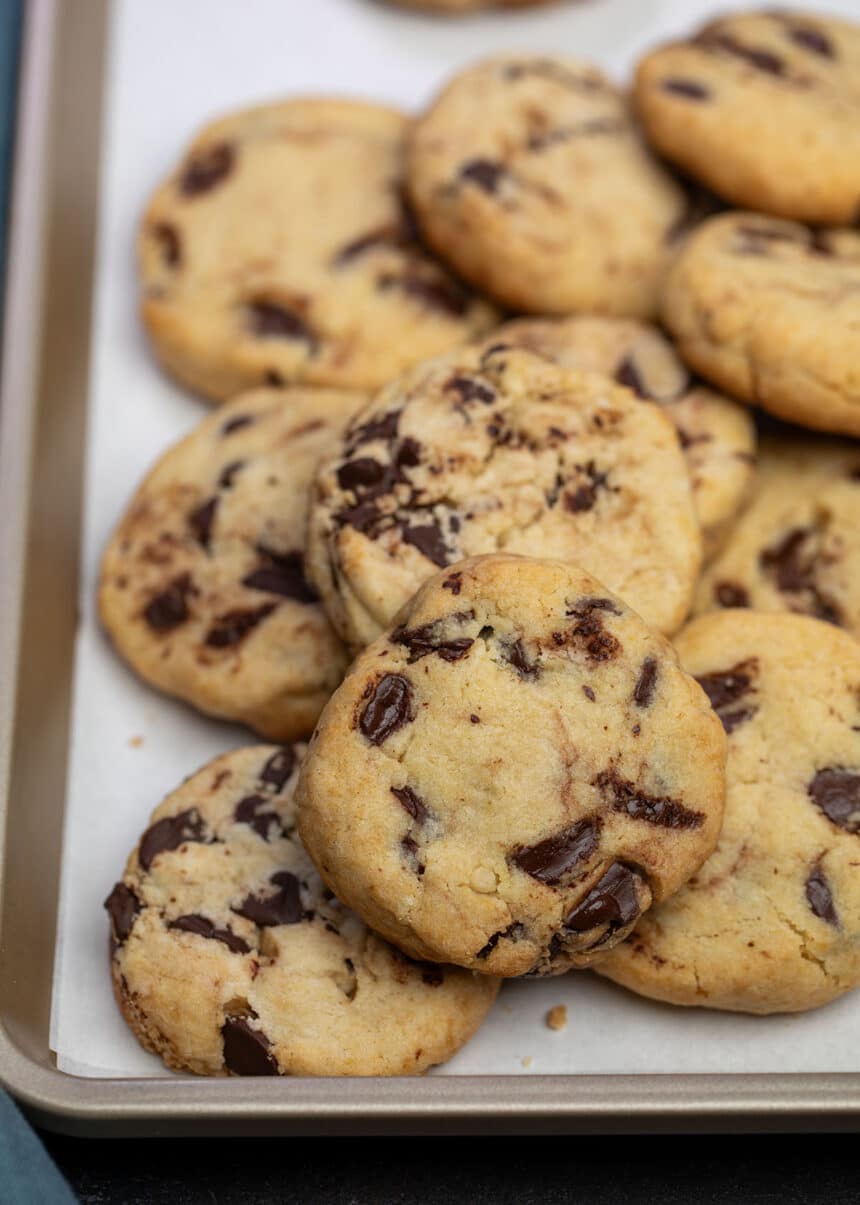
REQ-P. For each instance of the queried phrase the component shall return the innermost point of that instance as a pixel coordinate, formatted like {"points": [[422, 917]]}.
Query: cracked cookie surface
{"points": [[771, 922], [770, 311], [764, 108], [280, 252], [529, 176], [501, 450], [797, 547], [529, 770], [203, 589], [717, 435], [229, 955]]}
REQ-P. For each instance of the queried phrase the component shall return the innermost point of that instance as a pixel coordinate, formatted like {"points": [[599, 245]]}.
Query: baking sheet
{"points": [[171, 68]]}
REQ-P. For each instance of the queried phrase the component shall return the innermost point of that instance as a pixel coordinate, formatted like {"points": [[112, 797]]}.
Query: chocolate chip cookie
{"points": [[797, 548], [529, 177], [717, 435], [771, 922], [764, 108], [229, 956], [203, 589], [770, 311], [529, 770], [280, 251], [498, 449], [458, 7]]}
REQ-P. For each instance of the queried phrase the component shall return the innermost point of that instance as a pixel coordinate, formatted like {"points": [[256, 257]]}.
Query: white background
{"points": [[175, 64]]}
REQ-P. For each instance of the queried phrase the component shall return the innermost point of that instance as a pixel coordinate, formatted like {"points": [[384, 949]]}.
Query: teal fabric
{"points": [[27, 1175], [10, 37]]}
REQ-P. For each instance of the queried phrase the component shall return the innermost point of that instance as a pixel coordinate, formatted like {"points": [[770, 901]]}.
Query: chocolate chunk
{"points": [[512, 933], [424, 640], [277, 770], [786, 562], [255, 810], [228, 474], [168, 834], [612, 901], [662, 811], [551, 861], [727, 686], [360, 473], [762, 60], [409, 453], [269, 320], [410, 848], [439, 293], [733, 719], [820, 897], [363, 517], [389, 707], [628, 374], [412, 803], [247, 1050], [204, 927], [470, 390], [730, 594], [385, 236], [837, 792], [599, 644], [589, 693], [429, 541], [237, 423], [282, 908], [169, 609], [686, 87], [513, 651], [281, 573], [168, 238], [431, 974], [454, 583], [814, 40], [485, 173], [232, 627], [200, 521], [645, 683], [383, 428], [206, 169], [122, 907], [585, 496]]}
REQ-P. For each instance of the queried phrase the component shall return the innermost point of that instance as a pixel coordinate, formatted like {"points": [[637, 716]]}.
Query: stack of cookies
{"points": [[440, 543]]}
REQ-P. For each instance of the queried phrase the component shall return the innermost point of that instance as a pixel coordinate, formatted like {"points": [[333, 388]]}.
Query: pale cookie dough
{"points": [[497, 450], [280, 251], [770, 311], [764, 108], [229, 956], [771, 923], [717, 435], [530, 178], [202, 586], [529, 770]]}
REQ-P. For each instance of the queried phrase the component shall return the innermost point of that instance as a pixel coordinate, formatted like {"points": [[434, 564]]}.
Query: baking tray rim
{"points": [[596, 1103]]}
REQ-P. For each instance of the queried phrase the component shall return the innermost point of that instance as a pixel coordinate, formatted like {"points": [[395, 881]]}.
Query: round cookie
{"points": [[529, 177], [229, 955], [770, 311], [797, 547], [717, 435], [529, 771], [764, 108], [459, 7], [202, 586], [771, 922], [280, 252], [501, 450]]}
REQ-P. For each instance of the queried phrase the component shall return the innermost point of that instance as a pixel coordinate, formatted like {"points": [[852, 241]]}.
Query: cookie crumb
{"points": [[526, 1061], [483, 880], [136, 742], [556, 1018]]}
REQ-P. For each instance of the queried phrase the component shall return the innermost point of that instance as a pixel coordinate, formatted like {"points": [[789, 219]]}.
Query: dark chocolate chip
{"points": [[439, 293], [429, 541], [662, 811], [169, 609], [206, 169], [237, 423], [730, 594], [812, 39], [727, 686], [599, 644], [384, 428], [820, 897], [485, 173], [232, 627], [281, 573], [168, 238], [246, 1050], [612, 901], [169, 833], [409, 453], [360, 473], [470, 390], [204, 927], [388, 708], [646, 682], [585, 496], [269, 320], [514, 652], [363, 517], [200, 521], [228, 474], [410, 848], [686, 87], [551, 861], [122, 907], [837, 792], [384, 236], [277, 769], [282, 908], [589, 693], [255, 810], [424, 640], [454, 583], [733, 719], [628, 374], [513, 933], [762, 60], [411, 803]]}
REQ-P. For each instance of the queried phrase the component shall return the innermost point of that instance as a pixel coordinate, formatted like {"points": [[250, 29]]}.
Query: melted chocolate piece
{"points": [[429, 541], [819, 896], [282, 908], [204, 927], [686, 87], [363, 517], [646, 682], [439, 293], [410, 848], [512, 933], [383, 428], [206, 169], [251, 810], [389, 707], [246, 1050], [361, 473], [454, 583], [791, 565], [733, 719], [123, 908], [237, 423], [661, 811], [762, 60], [281, 573], [169, 609], [599, 644], [411, 803], [168, 237], [730, 594], [836, 791], [470, 390], [385, 236], [424, 640], [232, 627], [551, 861], [585, 496], [728, 686], [612, 901], [812, 39], [628, 374], [228, 474], [200, 521], [271, 321], [277, 770], [168, 834], [515, 654], [485, 173]]}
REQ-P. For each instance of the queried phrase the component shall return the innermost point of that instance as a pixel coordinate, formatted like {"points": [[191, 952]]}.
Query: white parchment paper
{"points": [[173, 66]]}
